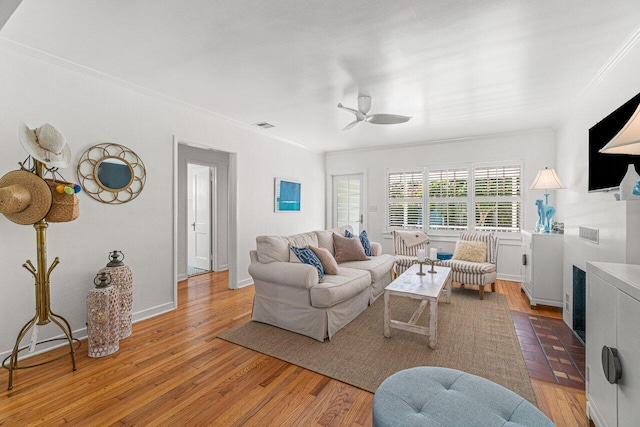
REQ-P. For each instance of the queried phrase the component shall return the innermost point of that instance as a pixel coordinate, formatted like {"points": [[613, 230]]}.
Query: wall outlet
{"points": [[566, 305]]}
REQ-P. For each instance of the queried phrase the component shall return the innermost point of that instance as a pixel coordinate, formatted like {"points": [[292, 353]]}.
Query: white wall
{"points": [[89, 109], [536, 149], [595, 210]]}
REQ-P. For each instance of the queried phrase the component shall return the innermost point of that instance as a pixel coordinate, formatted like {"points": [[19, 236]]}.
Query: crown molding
{"points": [[475, 138], [90, 72], [618, 56]]}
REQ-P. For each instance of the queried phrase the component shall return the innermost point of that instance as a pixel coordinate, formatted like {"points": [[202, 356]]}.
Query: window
{"points": [[482, 197], [497, 198], [448, 199], [405, 201]]}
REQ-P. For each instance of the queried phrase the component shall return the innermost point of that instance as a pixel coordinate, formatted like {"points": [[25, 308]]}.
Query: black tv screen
{"points": [[607, 170]]}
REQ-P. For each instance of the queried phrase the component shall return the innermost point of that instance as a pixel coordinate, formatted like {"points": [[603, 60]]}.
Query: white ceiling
{"points": [[459, 67]]}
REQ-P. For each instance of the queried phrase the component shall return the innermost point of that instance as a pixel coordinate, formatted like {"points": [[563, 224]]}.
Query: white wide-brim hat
{"points": [[46, 145]]}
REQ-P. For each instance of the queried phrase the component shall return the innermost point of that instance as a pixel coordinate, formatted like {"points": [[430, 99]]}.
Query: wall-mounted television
{"points": [[607, 170]]}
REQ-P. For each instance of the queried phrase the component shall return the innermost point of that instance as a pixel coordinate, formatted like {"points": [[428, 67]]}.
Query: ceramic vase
{"points": [[628, 182]]}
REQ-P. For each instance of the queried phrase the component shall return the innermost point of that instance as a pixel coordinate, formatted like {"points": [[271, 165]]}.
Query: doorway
{"points": [[205, 230], [348, 201], [201, 208]]}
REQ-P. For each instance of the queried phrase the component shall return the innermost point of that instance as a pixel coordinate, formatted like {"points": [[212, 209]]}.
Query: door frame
{"points": [[363, 194], [232, 246]]}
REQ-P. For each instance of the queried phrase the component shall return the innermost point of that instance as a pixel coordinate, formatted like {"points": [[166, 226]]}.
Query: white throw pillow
{"points": [[470, 251]]}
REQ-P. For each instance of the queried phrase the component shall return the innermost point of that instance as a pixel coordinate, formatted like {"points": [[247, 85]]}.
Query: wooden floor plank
{"points": [[174, 371]]}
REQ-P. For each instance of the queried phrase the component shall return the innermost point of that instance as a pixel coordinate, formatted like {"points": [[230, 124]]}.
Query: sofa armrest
{"points": [[376, 248], [292, 274]]}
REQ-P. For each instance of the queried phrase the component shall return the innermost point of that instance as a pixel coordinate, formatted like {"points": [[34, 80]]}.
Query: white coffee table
{"points": [[428, 289]]}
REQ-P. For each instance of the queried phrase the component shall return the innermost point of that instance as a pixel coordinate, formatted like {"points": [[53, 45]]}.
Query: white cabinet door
{"points": [[629, 352], [527, 264], [601, 330]]}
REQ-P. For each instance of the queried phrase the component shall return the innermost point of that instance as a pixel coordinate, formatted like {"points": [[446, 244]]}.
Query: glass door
{"points": [[348, 201]]}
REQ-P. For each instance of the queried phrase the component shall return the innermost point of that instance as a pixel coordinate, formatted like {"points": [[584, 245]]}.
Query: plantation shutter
{"points": [[404, 207], [448, 199], [498, 198]]}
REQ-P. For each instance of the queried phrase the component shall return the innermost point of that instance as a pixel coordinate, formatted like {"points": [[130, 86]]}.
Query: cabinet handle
{"points": [[524, 259], [611, 364]]}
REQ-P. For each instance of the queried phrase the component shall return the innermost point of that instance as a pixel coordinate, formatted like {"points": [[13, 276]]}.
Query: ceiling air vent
{"points": [[590, 234], [263, 125]]}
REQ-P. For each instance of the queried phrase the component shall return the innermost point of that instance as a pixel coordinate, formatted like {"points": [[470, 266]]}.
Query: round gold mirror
{"points": [[111, 173]]}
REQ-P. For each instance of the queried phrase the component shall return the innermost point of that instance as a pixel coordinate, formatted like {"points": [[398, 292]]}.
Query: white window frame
{"points": [[470, 198], [520, 198], [419, 170]]}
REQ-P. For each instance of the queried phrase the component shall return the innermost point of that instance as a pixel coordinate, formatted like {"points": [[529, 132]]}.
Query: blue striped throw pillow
{"points": [[307, 256], [364, 240]]}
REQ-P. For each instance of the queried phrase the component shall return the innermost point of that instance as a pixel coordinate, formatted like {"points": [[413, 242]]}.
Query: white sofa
{"points": [[289, 294]]}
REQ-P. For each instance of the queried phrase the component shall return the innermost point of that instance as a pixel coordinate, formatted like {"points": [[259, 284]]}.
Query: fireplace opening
{"points": [[579, 302]]}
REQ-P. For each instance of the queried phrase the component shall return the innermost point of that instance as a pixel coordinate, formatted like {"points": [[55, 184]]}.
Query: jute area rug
{"points": [[473, 336]]}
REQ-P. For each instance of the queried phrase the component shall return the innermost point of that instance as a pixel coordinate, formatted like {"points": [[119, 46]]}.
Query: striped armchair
{"points": [[477, 273], [406, 255]]}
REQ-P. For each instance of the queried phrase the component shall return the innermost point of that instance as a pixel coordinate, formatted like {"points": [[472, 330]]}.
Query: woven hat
{"points": [[25, 198], [46, 144]]}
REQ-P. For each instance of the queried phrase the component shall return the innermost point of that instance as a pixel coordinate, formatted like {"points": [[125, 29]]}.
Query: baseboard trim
{"points": [[81, 334], [510, 277], [153, 311], [182, 277], [245, 283]]}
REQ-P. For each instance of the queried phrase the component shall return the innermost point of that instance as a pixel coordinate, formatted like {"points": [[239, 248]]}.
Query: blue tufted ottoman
{"points": [[430, 396]]}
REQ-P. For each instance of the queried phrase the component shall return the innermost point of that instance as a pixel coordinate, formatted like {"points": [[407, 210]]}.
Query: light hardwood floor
{"points": [[174, 371]]}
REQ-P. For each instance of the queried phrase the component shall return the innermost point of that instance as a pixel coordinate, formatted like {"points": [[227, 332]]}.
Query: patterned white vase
{"points": [[628, 182]]}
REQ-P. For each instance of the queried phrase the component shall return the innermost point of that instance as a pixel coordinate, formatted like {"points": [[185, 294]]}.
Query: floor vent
{"points": [[590, 234], [263, 125]]}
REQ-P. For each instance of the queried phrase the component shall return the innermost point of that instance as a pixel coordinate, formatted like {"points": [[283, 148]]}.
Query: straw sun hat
{"points": [[46, 144], [25, 198]]}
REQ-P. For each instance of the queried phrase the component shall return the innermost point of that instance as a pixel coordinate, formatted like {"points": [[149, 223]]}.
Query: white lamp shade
{"points": [[627, 141], [547, 180]]}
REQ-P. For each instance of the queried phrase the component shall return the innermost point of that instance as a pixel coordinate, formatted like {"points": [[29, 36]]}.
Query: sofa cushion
{"points": [[307, 256], [329, 263], [377, 266], [348, 249], [325, 240], [341, 287], [276, 248], [470, 267]]}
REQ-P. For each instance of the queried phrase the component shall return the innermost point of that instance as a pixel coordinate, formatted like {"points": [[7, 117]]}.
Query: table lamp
{"points": [[627, 141], [546, 180]]}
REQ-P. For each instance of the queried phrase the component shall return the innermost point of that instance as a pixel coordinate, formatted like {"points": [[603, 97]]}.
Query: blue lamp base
{"points": [[545, 215]]}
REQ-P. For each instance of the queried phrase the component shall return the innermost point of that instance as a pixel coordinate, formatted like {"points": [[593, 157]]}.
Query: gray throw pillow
{"points": [[348, 249]]}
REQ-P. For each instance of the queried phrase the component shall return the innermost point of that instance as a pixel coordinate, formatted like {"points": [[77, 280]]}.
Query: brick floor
{"points": [[550, 349]]}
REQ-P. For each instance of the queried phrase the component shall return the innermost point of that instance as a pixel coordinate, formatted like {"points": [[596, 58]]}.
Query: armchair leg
{"points": [[481, 287], [493, 287]]}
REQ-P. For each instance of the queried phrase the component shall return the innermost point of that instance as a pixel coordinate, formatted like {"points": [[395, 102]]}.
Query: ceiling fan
{"points": [[364, 105]]}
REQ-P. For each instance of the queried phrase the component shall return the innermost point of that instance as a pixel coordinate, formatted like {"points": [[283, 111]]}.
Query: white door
{"points": [[348, 201], [199, 214]]}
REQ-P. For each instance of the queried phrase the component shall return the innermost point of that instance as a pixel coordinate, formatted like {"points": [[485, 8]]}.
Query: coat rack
{"points": [[43, 315]]}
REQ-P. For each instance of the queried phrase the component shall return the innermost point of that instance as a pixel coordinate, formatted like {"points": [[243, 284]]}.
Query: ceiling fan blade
{"points": [[387, 119], [359, 115], [352, 124]]}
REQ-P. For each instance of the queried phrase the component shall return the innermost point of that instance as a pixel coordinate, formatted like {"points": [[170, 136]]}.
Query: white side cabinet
{"points": [[542, 256], [613, 321]]}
